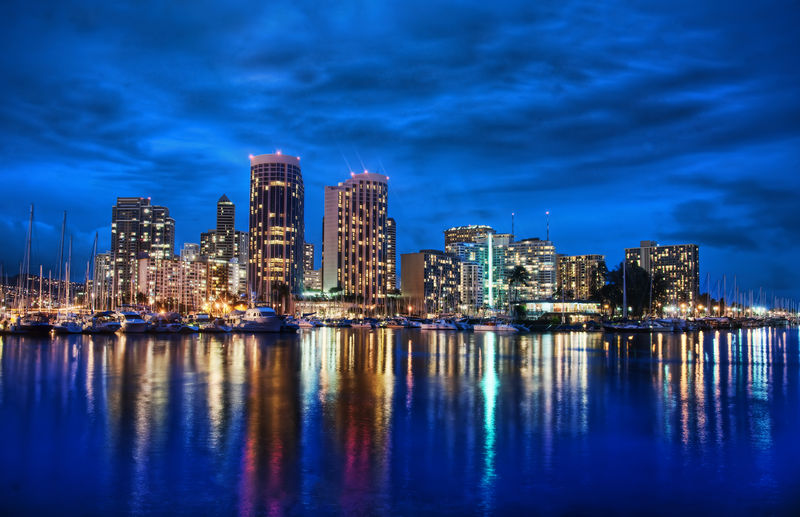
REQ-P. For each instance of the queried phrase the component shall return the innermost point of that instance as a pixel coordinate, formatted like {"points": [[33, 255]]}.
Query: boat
{"points": [[104, 322], [217, 326], [493, 326], [131, 322], [260, 319], [439, 324], [308, 323], [67, 324], [164, 324], [34, 324], [366, 323]]}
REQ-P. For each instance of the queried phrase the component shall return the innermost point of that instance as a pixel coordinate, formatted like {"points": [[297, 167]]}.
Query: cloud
{"points": [[474, 109]]}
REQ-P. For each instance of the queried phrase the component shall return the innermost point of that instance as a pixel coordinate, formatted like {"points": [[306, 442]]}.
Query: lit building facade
{"points": [[308, 256], [173, 283], [678, 264], [580, 276], [354, 245], [138, 228], [101, 288], [470, 233], [190, 251], [391, 255], [538, 257], [431, 279], [276, 226]]}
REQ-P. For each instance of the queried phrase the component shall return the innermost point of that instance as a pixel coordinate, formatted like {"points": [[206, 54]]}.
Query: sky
{"points": [[670, 121]]}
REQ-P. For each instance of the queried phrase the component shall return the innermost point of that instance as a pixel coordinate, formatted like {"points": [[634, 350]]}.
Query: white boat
{"points": [[218, 326], [493, 326], [260, 319], [67, 324], [308, 323], [103, 323], [131, 322], [439, 324]]}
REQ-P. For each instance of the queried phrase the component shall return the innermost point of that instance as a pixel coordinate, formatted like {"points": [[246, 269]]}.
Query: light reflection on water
{"points": [[357, 421]]}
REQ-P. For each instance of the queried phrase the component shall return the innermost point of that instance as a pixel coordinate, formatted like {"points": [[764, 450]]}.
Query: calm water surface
{"points": [[351, 421]]}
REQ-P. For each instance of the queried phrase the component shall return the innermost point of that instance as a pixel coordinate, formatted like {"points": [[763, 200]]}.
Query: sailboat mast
{"points": [[69, 264], [61, 255]]}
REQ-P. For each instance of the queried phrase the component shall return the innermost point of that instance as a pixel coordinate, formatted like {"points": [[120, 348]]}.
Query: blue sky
{"points": [[674, 121]]}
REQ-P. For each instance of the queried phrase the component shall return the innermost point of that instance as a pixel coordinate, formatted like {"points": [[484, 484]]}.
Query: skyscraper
{"points": [[226, 216], [580, 276], [470, 233], [137, 229], [391, 255], [679, 265], [276, 227], [354, 245]]}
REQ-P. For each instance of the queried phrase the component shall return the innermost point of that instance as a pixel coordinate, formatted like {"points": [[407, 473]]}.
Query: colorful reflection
{"points": [[353, 421]]}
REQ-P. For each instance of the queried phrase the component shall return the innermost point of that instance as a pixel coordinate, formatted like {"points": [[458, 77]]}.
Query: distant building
{"points": [[580, 276], [354, 244], [173, 283], [538, 257], [308, 256], [471, 287], [190, 252], [391, 255], [678, 264], [469, 233], [101, 288], [313, 280], [431, 279], [276, 226], [137, 229]]}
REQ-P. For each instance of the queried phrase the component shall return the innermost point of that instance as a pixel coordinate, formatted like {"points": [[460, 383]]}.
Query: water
{"points": [[351, 421]]}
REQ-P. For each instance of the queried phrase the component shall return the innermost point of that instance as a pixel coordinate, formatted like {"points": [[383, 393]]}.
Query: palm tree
{"points": [[516, 277], [280, 291]]}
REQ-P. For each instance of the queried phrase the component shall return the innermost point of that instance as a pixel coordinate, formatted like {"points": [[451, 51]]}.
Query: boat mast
{"points": [[26, 265], [61, 255], [69, 263]]}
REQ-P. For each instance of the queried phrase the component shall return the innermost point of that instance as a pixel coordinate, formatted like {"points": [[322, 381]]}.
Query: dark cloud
{"points": [[675, 121]]}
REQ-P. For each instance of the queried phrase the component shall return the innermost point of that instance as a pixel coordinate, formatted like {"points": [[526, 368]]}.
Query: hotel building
{"points": [[137, 229], [678, 264], [431, 280], [538, 257], [180, 285], [354, 243], [391, 255], [470, 233], [580, 276], [276, 226]]}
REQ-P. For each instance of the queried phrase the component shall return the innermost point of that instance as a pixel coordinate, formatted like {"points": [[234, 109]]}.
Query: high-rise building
{"points": [[137, 229], [391, 255], [538, 257], [470, 233], [679, 265], [190, 251], [354, 245], [580, 276], [431, 280], [174, 284], [276, 227], [102, 281], [308, 256], [221, 242]]}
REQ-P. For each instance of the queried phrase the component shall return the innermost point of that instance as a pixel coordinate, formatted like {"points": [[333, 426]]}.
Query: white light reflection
{"points": [[489, 386]]}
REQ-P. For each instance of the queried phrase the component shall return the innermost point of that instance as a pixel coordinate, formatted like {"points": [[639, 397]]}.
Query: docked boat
{"points": [[493, 326], [439, 324], [103, 323], [260, 319], [67, 324], [132, 323], [33, 324], [217, 326]]}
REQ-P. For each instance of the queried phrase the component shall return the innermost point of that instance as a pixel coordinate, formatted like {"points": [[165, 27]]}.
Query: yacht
{"points": [[260, 319], [493, 326], [103, 323], [217, 326], [34, 323], [439, 324], [132, 322], [67, 324]]}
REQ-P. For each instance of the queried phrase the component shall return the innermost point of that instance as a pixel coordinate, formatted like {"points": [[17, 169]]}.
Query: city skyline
{"points": [[469, 125]]}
